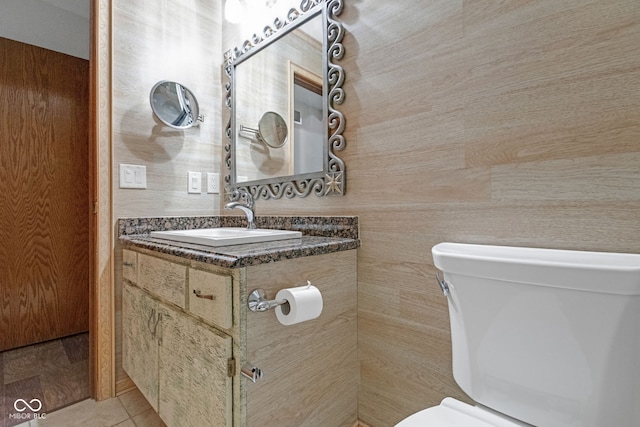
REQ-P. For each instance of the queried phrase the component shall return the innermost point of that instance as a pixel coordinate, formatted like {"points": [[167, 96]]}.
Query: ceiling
{"points": [[79, 7], [59, 25]]}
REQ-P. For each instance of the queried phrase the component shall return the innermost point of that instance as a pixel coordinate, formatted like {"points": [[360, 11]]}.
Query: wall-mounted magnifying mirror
{"points": [[175, 105], [272, 130]]}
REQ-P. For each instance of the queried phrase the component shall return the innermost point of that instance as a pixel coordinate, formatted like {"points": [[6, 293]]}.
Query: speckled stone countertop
{"points": [[320, 235]]}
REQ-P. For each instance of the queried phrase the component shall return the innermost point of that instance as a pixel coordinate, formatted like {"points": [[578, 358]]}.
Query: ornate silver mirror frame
{"points": [[331, 180]]}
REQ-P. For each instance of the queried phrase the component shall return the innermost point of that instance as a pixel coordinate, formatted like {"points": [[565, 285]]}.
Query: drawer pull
{"points": [[199, 295], [127, 264]]}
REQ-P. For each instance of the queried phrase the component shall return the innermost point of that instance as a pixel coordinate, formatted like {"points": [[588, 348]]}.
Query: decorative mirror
{"points": [[175, 105], [286, 80]]}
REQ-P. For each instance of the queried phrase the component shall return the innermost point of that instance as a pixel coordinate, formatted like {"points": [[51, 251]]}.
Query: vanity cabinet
{"points": [[188, 333], [181, 364]]}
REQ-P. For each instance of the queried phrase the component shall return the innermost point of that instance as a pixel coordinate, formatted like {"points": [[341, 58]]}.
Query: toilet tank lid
{"points": [[606, 272]]}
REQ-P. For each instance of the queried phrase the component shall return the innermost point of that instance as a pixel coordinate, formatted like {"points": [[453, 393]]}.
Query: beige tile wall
{"points": [[475, 121], [511, 122], [178, 40]]}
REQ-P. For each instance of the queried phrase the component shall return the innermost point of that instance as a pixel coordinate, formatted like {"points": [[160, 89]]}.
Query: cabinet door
{"points": [[140, 329], [195, 389]]}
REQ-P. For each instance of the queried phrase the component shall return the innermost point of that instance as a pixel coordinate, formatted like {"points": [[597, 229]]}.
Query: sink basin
{"points": [[226, 236]]}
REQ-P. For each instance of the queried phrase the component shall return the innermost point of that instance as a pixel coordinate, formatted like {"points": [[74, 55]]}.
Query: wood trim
{"points": [[102, 304], [92, 199], [125, 385]]}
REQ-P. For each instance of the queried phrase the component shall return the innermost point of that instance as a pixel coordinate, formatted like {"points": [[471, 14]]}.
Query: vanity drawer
{"points": [[129, 266], [165, 279], [210, 297]]}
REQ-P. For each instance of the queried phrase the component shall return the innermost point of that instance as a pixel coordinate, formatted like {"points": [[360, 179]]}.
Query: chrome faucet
{"points": [[246, 206]]}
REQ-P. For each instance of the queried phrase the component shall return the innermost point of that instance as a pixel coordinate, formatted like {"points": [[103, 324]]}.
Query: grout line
{"points": [[125, 408]]}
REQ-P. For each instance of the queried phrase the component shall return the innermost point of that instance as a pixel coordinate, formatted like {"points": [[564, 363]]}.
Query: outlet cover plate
{"points": [[213, 183]]}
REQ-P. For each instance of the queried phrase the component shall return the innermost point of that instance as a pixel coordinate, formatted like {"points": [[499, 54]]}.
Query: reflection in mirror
{"points": [[307, 117], [175, 105], [263, 83], [272, 130], [290, 70]]}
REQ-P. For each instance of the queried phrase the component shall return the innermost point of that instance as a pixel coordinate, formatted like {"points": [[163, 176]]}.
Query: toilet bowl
{"points": [[454, 413], [540, 337]]}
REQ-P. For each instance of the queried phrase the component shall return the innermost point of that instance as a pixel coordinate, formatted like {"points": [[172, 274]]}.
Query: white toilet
{"points": [[541, 337]]}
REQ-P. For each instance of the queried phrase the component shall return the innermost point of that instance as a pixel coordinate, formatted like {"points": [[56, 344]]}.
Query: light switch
{"points": [[133, 176], [194, 182]]}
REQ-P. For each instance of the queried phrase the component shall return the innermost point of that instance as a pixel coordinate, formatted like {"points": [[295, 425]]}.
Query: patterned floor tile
{"points": [[54, 372], [33, 360], [23, 400], [67, 385], [76, 347]]}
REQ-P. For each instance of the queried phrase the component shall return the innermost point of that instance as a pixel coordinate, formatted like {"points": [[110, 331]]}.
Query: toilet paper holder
{"points": [[258, 300]]}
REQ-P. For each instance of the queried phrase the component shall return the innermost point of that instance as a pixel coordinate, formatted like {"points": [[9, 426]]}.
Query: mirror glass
{"points": [[272, 130], [174, 105], [287, 82]]}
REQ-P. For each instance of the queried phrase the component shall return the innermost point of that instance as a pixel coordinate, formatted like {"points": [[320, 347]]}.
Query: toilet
{"points": [[540, 337]]}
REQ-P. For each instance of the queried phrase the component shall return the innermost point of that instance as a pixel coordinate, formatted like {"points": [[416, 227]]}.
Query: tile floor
{"points": [[128, 410], [56, 373]]}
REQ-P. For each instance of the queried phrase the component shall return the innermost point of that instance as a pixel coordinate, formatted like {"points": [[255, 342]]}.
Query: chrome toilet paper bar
{"points": [[258, 300]]}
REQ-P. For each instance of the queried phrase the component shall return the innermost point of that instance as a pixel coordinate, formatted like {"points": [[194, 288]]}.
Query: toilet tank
{"points": [[549, 337]]}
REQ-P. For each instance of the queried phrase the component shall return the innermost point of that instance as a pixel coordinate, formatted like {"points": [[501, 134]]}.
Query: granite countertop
{"points": [[320, 235]]}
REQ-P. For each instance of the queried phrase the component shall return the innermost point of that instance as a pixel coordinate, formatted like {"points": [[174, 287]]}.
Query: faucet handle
{"points": [[242, 195], [248, 198]]}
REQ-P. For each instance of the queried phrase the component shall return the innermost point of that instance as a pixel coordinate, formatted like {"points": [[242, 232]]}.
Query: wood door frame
{"points": [[101, 294]]}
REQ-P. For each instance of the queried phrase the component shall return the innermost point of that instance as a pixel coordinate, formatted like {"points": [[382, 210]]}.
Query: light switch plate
{"points": [[213, 183], [194, 184], [133, 176]]}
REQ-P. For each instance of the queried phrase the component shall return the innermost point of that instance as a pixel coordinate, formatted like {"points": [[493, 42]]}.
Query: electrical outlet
{"points": [[194, 184], [213, 183]]}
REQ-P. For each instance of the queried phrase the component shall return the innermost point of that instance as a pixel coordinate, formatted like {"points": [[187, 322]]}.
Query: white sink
{"points": [[226, 236]]}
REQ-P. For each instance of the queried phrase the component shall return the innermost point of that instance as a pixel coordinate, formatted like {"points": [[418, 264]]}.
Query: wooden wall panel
{"points": [[44, 199], [510, 122]]}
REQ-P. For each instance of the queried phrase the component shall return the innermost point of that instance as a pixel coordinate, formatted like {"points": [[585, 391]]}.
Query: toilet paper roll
{"points": [[304, 303]]}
